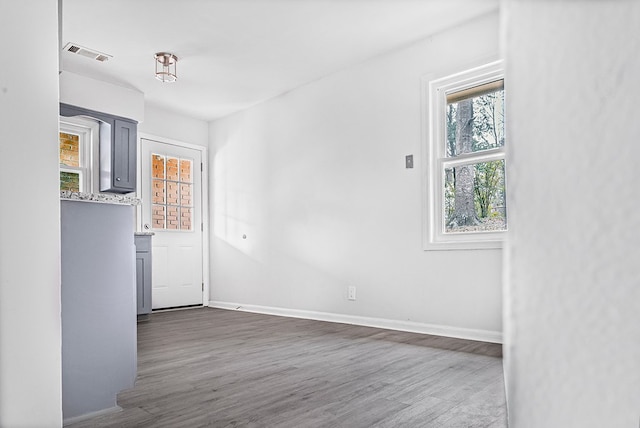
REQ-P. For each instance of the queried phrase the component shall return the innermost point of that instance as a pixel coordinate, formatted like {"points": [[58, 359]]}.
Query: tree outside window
{"points": [[475, 192], [466, 149]]}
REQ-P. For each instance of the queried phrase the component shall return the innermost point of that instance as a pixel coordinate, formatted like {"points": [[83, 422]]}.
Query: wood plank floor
{"points": [[217, 368]]}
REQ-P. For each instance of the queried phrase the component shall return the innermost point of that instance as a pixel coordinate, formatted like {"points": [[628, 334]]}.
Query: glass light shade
{"points": [[166, 67]]}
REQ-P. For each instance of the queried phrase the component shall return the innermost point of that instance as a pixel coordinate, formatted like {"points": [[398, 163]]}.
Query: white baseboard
{"points": [[409, 326], [75, 419]]}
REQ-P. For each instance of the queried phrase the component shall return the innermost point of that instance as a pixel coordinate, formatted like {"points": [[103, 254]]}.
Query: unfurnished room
{"points": [[319, 213]]}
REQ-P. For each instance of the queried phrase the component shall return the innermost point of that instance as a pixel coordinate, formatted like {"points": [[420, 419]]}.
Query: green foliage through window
{"points": [[474, 192], [70, 181]]}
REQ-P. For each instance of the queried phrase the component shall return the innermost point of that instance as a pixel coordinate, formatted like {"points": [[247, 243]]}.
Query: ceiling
{"points": [[237, 53]]}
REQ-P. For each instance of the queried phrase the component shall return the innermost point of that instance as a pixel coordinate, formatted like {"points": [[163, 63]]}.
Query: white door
{"points": [[172, 209]]}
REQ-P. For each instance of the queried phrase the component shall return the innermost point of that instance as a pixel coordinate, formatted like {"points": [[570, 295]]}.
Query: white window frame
{"points": [[435, 93], [88, 133]]}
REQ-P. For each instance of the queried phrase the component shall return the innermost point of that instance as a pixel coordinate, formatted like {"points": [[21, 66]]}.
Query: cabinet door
{"points": [[143, 282], [123, 155]]}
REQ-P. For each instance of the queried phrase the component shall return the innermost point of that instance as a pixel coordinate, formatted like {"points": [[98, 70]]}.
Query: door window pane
{"points": [[185, 218], [185, 194], [158, 216], [158, 191], [172, 192], [172, 169], [185, 170], [157, 166], [172, 218]]}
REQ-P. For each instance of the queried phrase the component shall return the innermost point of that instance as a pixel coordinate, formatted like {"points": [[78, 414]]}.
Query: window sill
{"points": [[464, 243]]}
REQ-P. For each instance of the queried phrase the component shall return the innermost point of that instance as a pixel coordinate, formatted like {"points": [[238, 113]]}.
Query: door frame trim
{"points": [[204, 201]]}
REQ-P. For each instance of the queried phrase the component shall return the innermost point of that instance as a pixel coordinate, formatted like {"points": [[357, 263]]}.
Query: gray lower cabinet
{"points": [[143, 275], [98, 305]]}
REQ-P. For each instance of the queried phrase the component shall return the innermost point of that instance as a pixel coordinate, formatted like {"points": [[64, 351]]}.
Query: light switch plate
{"points": [[408, 161]]}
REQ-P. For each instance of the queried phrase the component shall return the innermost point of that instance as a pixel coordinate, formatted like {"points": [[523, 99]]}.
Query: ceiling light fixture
{"points": [[166, 67]]}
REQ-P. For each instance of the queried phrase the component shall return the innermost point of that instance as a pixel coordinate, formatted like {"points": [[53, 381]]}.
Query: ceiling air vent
{"points": [[89, 53]]}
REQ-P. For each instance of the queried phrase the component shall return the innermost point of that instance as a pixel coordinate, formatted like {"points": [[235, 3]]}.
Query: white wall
{"points": [[30, 341], [572, 319], [101, 96], [106, 97], [162, 123], [315, 179]]}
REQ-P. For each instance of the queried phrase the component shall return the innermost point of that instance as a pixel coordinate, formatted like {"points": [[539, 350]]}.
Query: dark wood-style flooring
{"points": [[217, 368]]}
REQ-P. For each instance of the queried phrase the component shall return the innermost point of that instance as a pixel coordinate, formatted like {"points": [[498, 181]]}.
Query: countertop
{"points": [[104, 198]]}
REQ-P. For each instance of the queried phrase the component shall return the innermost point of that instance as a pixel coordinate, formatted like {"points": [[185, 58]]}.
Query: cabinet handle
{"points": [[117, 178]]}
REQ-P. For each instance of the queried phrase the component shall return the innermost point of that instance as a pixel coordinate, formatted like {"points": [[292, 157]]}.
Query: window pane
{"points": [[185, 218], [70, 181], [157, 166], [69, 149], [158, 216], [185, 170], [172, 169], [172, 217], [185, 194], [474, 198], [172, 193], [158, 191], [475, 119]]}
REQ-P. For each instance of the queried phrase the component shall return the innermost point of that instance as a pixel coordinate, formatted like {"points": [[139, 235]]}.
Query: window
{"points": [[75, 149], [172, 193], [71, 175], [466, 181]]}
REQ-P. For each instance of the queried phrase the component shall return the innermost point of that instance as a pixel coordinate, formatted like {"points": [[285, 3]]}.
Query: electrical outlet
{"points": [[351, 293]]}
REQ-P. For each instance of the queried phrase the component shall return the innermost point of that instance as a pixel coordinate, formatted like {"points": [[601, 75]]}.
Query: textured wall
{"points": [[572, 319], [316, 181], [30, 356]]}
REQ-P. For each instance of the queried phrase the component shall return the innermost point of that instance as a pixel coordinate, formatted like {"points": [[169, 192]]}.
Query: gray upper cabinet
{"points": [[121, 155], [118, 139]]}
